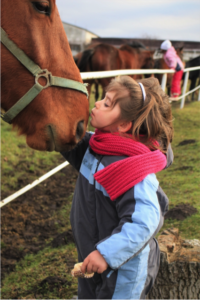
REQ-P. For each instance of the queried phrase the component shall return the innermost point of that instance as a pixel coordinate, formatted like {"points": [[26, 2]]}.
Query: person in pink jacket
{"points": [[174, 62]]}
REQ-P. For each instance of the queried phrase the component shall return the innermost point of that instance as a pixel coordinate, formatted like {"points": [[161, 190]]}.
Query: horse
{"points": [[56, 119], [194, 76], [105, 57]]}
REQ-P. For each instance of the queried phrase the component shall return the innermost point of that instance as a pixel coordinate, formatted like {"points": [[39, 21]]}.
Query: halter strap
{"points": [[37, 72]]}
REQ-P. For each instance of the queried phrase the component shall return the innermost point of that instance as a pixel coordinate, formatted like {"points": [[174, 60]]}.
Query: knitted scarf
{"points": [[120, 176]]}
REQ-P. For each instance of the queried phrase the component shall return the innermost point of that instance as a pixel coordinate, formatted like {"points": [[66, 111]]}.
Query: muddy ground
{"points": [[28, 221]]}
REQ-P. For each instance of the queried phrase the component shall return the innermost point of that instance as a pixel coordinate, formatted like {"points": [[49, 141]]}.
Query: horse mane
{"points": [[194, 62], [107, 47], [156, 63], [136, 44], [86, 56], [128, 48]]}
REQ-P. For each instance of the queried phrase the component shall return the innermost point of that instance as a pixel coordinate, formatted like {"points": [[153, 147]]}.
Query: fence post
{"points": [[164, 81], [184, 88], [199, 96]]}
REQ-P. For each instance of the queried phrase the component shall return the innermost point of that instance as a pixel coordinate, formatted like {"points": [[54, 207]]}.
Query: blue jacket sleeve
{"points": [[139, 213], [75, 156]]}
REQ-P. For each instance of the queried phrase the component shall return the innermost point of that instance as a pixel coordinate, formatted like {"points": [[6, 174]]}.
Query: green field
{"points": [[181, 183]]}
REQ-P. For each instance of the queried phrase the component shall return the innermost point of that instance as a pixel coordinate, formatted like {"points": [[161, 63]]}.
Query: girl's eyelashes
{"points": [[107, 102]]}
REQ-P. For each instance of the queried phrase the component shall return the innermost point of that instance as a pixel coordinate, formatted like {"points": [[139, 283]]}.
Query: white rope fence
{"points": [[105, 74]]}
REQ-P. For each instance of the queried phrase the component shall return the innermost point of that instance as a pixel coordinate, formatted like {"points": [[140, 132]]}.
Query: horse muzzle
{"points": [[53, 144]]}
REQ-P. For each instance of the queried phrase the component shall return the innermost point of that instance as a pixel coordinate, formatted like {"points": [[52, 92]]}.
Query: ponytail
{"points": [[151, 115]]}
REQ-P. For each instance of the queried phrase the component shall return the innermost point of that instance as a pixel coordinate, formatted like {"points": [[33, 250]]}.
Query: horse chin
{"points": [[59, 148], [47, 141], [64, 148], [49, 145]]}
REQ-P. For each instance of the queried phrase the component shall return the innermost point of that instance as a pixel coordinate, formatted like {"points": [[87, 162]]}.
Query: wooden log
{"points": [[179, 273]]}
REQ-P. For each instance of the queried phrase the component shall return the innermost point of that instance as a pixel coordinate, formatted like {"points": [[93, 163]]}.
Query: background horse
{"points": [[105, 57], [194, 76], [57, 118]]}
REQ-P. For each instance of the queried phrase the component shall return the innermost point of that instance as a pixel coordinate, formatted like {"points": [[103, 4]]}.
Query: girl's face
{"points": [[104, 115]]}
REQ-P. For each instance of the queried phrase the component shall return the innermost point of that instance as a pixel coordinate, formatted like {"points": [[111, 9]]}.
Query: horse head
{"points": [[148, 62], [57, 117]]}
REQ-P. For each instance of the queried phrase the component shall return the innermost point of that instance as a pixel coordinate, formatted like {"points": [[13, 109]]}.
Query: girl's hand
{"points": [[94, 262]]}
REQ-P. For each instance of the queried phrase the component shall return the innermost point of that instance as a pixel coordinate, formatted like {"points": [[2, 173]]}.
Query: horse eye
{"points": [[42, 7]]}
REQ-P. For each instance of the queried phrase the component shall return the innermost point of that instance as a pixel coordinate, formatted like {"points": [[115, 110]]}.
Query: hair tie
{"points": [[143, 90]]}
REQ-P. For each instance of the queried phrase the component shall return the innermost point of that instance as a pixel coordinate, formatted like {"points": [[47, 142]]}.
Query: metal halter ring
{"points": [[47, 75]]}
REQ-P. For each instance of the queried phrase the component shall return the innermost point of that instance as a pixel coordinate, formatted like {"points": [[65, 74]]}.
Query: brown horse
{"points": [[105, 57], [57, 118]]}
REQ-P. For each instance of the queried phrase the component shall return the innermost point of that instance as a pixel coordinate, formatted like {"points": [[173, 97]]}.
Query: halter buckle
{"points": [[47, 75]]}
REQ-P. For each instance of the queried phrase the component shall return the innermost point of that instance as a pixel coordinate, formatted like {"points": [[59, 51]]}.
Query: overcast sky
{"points": [[161, 19]]}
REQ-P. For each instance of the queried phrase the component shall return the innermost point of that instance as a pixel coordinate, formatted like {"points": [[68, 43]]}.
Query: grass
{"points": [[25, 281], [180, 182], [15, 154]]}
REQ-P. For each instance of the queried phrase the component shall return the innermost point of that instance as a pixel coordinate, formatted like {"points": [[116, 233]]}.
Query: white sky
{"points": [[162, 19]]}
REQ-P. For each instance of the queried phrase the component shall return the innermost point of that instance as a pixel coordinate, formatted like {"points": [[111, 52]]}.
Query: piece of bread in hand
{"points": [[76, 272]]}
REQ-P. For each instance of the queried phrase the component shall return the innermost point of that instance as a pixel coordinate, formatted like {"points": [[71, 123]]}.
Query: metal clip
{"points": [[47, 75]]}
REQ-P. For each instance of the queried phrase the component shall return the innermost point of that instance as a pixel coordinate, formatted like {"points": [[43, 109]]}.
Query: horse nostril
{"points": [[79, 130]]}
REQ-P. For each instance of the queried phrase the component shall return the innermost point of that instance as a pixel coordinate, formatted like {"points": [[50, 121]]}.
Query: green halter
{"points": [[37, 72]]}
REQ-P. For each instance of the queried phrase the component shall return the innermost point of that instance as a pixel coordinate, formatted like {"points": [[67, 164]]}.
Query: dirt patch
{"points": [[53, 282], [29, 221], [186, 142], [180, 212], [63, 239], [183, 168]]}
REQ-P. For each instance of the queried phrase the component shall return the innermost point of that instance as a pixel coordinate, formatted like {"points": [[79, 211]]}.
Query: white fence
{"points": [[105, 74]]}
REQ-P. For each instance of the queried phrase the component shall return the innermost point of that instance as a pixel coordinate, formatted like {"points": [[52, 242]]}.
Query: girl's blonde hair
{"points": [[151, 117]]}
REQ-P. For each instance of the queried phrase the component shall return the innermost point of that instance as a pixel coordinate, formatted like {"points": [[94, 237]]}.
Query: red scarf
{"points": [[120, 176]]}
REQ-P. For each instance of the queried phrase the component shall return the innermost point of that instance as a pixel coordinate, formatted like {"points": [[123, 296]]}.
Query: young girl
{"points": [[118, 206], [174, 62]]}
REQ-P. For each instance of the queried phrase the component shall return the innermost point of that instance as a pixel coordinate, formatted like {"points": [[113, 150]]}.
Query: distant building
{"points": [[78, 37], [190, 49]]}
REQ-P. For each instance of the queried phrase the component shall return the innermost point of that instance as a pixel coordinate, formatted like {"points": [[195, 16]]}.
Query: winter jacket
{"points": [[122, 231], [171, 58]]}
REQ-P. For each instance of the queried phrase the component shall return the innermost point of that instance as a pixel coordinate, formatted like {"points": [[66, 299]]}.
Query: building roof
{"points": [[150, 43], [80, 28]]}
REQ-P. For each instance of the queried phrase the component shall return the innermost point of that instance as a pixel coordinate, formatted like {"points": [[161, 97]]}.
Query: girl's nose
{"points": [[97, 104]]}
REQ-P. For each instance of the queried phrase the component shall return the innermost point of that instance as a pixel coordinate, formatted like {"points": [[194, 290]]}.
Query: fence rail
{"points": [[105, 74]]}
